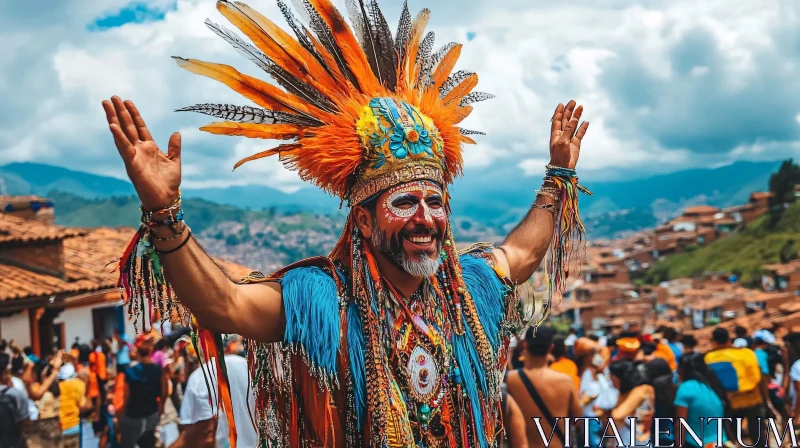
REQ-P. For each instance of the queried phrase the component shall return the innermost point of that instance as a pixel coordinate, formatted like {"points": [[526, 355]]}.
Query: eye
{"points": [[404, 203], [434, 202]]}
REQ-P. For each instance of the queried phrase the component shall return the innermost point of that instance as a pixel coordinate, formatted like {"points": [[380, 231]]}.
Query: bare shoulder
{"points": [[557, 378]]}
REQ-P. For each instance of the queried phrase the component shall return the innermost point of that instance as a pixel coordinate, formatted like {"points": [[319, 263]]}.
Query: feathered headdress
{"points": [[363, 110]]}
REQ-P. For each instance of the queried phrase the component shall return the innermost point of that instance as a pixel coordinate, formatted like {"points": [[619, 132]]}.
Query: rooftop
{"points": [[14, 229]]}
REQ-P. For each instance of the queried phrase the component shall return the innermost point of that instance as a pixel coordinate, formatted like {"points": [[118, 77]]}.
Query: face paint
{"points": [[410, 222]]}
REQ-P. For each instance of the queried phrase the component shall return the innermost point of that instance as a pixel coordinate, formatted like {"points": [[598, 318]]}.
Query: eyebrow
{"points": [[405, 196]]}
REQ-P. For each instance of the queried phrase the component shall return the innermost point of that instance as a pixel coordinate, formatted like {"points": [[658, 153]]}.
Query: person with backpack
{"points": [[14, 413], [741, 376]]}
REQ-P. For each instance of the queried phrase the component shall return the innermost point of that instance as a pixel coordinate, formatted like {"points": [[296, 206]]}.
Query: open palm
{"points": [[155, 175], [566, 135]]}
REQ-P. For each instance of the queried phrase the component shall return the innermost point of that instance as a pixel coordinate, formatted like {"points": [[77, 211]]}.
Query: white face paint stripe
{"points": [[401, 190]]}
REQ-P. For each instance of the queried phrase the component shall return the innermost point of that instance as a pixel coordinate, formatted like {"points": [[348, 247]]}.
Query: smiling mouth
{"points": [[420, 239]]}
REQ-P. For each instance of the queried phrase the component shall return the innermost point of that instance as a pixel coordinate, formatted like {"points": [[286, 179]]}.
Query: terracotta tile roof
{"points": [[701, 209], [14, 229], [760, 195], [86, 266], [725, 222], [785, 268], [85, 260]]}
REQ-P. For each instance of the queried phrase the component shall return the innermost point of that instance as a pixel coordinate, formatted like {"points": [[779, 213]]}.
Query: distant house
{"points": [[782, 277], [58, 284]]}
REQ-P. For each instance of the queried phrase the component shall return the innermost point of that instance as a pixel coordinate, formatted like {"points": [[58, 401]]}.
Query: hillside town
{"points": [[610, 298]]}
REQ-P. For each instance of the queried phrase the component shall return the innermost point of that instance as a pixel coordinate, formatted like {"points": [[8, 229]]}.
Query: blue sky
{"points": [[667, 85]]}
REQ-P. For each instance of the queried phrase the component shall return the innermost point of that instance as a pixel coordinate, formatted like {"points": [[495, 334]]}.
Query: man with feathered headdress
{"points": [[393, 339]]}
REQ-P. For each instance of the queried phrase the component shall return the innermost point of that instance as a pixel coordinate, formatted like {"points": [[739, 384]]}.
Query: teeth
{"points": [[420, 239]]}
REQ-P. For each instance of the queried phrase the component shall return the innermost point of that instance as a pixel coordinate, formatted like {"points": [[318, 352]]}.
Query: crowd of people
{"points": [[154, 391], [638, 381], [121, 392]]}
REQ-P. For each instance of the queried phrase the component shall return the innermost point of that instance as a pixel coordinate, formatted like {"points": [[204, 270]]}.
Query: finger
{"points": [[125, 120], [582, 130], [144, 133], [126, 150], [174, 146], [111, 113], [567, 114], [555, 122], [572, 125]]}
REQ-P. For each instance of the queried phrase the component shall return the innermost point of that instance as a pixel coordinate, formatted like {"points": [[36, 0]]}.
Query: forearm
{"points": [[198, 282], [37, 393], [254, 311], [526, 245]]}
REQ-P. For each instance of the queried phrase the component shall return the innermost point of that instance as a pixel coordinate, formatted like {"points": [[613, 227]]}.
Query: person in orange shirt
{"points": [[664, 352], [563, 364]]}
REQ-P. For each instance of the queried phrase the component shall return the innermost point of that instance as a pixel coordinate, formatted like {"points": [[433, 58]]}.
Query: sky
{"points": [[666, 84]]}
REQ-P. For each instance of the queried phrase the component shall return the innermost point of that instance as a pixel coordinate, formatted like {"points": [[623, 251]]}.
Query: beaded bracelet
{"points": [[178, 247], [147, 215], [549, 207], [177, 235]]}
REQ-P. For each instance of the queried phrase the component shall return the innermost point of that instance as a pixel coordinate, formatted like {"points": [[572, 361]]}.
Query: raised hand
{"points": [[566, 135], [155, 175]]}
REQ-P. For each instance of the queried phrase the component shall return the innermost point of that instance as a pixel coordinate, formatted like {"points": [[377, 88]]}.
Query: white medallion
{"points": [[423, 374]]}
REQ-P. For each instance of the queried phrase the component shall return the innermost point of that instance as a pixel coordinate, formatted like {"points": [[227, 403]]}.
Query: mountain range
{"points": [[497, 199]]}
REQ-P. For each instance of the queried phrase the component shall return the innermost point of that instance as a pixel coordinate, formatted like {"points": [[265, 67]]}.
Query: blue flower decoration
{"points": [[415, 140]]}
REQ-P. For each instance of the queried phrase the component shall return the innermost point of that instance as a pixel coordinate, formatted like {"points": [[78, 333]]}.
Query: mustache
{"points": [[419, 230]]}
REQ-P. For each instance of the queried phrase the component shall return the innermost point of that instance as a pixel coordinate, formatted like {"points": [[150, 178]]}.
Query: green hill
{"points": [[742, 254]]}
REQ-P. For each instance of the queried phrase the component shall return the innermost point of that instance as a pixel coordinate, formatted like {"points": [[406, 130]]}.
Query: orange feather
{"points": [[410, 67], [351, 50], [278, 45], [267, 153], [262, 93], [252, 130], [461, 90], [446, 66], [461, 113]]}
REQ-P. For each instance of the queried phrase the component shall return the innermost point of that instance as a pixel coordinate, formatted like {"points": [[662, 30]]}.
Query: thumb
{"points": [[174, 146]]}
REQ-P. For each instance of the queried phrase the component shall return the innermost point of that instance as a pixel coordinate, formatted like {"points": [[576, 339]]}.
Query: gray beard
{"points": [[422, 268]]}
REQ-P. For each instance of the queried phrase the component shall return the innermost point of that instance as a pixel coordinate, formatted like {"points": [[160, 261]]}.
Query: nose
{"points": [[423, 215]]}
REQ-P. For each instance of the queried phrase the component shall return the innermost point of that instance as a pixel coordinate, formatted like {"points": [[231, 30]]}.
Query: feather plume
{"points": [[461, 90], [433, 63], [424, 63], [403, 34], [324, 35], [410, 67], [263, 94], [470, 132], [475, 97], [452, 81], [267, 153], [442, 69], [281, 76], [350, 48], [247, 114], [461, 113], [358, 20], [279, 46], [381, 33], [252, 130], [299, 31]]}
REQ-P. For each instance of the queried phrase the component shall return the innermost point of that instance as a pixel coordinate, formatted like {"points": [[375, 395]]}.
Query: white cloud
{"points": [[625, 62]]}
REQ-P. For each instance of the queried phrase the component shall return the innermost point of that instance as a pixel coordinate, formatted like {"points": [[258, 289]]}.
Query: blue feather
{"points": [[311, 303], [470, 364], [488, 293], [355, 342]]}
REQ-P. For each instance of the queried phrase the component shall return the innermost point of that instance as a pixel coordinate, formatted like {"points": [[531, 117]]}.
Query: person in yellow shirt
{"points": [[72, 397], [563, 364]]}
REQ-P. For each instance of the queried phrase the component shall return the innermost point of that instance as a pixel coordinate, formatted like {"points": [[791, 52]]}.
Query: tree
{"points": [[781, 185]]}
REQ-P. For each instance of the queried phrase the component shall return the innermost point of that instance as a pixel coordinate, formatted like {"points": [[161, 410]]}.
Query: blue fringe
{"points": [[355, 342], [470, 364], [488, 293], [311, 303]]}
